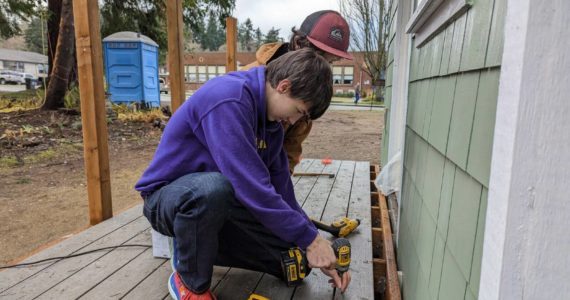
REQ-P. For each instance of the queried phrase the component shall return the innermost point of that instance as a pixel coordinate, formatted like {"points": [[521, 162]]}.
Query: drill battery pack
{"points": [[294, 264]]}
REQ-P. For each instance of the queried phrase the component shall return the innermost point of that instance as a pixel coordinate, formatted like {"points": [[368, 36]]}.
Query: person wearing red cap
{"points": [[325, 31]]}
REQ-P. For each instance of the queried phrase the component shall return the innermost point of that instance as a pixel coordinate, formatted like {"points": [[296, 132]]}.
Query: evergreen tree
{"points": [[259, 38], [214, 36], [149, 17], [12, 12], [245, 35], [272, 36], [35, 38]]}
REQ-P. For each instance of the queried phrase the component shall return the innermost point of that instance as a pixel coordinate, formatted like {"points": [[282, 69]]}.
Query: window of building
{"points": [[211, 72], [337, 75], [202, 75], [14, 66], [190, 73], [221, 70], [343, 75], [42, 69], [348, 75]]}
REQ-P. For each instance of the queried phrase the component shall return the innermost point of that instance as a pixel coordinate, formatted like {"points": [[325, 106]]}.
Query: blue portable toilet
{"points": [[131, 68]]}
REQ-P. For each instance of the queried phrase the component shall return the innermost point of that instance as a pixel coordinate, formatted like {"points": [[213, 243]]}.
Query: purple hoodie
{"points": [[223, 127]]}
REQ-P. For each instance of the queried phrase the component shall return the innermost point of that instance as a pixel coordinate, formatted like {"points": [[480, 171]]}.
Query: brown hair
{"points": [[299, 41], [310, 75]]}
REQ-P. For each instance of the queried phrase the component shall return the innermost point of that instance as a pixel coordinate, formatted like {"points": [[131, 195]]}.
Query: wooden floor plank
{"points": [[120, 283], [317, 282], [337, 205], [54, 274], [317, 199], [10, 277], [237, 284], [154, 286], [274, 288], [96, 272], [218, 275], [306, 183], [302, 167], [314, 287], [361, 286]]}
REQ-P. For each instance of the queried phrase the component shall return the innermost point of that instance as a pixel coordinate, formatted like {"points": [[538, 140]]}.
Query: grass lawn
{"points": [[350, 101]]}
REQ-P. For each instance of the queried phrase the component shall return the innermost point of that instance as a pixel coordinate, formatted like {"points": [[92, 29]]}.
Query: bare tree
{"points": [[370, 22]]}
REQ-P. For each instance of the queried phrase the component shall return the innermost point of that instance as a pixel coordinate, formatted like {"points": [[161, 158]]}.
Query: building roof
{"points": [[23, 56], [129, 36]]}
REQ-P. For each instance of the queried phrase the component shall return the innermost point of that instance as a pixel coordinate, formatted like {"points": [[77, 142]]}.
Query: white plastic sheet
{"points": [[389, 179]]}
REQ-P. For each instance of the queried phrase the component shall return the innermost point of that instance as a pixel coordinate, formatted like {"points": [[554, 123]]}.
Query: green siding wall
{"points": [[452, 99], [388, 90]]}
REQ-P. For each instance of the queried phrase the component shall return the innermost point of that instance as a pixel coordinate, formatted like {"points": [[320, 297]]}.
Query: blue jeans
{"points": [[211, 228]]}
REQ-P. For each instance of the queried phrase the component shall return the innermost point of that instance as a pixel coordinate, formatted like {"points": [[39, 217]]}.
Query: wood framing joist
{"points": [[386, 285]]}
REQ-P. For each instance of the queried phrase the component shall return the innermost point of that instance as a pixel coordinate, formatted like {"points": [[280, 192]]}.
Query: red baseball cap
{"points": [[328, 31]]}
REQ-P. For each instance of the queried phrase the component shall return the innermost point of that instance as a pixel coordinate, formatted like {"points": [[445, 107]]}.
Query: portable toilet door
{"points": [[131, 69]]}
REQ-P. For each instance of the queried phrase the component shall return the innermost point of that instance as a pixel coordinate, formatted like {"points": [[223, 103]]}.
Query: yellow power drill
{"points": [[294, 261], [340, 228]]}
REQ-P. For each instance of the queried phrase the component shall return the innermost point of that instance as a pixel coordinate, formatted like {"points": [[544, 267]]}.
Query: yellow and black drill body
{"points": [[342, 252], [295, 265], [340, 228]]}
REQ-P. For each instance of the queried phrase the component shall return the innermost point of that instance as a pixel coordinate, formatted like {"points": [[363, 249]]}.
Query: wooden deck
{"points": [[132, 273]]}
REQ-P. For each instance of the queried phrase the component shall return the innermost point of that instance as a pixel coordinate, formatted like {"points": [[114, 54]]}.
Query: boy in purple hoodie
{"points": [[219, 181]]}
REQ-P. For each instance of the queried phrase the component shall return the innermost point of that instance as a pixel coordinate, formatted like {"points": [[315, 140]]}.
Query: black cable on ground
{"points": [[73, 255]]}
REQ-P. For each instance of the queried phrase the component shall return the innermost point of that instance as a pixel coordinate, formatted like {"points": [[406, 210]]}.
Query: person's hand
{"points": [[336, 281], [320, 254]]}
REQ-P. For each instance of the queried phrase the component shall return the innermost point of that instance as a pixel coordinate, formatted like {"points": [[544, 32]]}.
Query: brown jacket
{"points": [[294, 134]]}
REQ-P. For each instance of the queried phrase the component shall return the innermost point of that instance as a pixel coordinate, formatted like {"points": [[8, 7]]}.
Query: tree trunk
{"points": [[54, 17], [63, 59]]}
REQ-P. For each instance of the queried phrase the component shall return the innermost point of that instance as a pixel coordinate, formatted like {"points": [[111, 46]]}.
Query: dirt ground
{"points": [[43, 195]]}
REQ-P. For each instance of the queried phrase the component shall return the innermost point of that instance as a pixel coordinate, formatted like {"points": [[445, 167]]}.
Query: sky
{"points": [[282, 14]]}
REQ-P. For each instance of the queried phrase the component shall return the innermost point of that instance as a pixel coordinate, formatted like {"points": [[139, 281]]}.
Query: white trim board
{"points": [[526, 243], [433, 16]]}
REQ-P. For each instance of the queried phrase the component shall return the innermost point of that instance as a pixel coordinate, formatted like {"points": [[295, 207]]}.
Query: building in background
{"points": [[32, 63], [201, 66]]}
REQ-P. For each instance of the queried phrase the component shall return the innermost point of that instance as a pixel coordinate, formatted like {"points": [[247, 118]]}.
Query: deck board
{"points": [[132, 273], [11, 277], [361, 286], [121, 282]]}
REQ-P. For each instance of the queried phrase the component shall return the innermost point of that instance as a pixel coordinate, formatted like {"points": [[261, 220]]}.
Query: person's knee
{"points": [[216, 186], [212, 190]]}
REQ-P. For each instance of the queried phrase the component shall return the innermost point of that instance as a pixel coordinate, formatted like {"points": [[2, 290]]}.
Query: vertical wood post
{"points": [[175, 52], [231, 42], [93, 115]]}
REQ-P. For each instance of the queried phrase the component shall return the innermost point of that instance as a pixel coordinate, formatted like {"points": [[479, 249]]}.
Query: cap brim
{"points": [[330, 49]]}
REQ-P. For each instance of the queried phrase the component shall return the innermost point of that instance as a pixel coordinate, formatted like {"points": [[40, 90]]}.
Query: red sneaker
{"points": [[179, 291]]}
